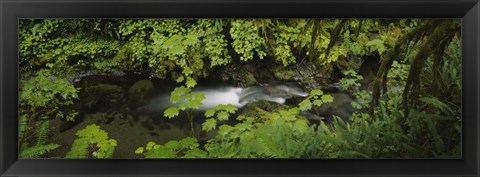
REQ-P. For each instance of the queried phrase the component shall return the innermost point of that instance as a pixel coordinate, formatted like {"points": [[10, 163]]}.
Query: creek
{"points": [[130, 108]]}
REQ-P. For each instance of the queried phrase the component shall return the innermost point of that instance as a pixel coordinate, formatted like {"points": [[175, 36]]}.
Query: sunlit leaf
{"points": [[222, 115], [209, 124], [171, 112], [305, 105]]}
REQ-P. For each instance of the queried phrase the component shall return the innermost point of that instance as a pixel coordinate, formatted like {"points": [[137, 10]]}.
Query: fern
{"points": [[79, 149], [22, 127], [40, 147], [37, 150], [437, 104], [42, 132]]}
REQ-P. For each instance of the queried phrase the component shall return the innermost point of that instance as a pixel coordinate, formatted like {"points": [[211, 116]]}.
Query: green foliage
{"points": [[215, 42], [37, 150], [223, 113], [22, 127], [43, 95], [283, 134], [185, 148], [315, 98], [53, 52], [92, 140], [289, 35], [439, 105], [398, 74], [246, 39], [171, 112], [186, 99], [350, 80], [40, 147], [42, 132]]}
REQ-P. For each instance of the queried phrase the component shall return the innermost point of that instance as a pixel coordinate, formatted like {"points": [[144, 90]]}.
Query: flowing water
{"points": [[131, 110], [238, 96]]}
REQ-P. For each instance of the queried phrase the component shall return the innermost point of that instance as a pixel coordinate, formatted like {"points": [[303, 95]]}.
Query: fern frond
{"points": [[42, 132], [37, 150], [437, 104], [78, 149], [22, 127]]}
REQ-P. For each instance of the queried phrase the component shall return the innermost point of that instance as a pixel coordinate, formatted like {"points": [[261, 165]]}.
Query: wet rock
{"points": [[154, 134], [285, 73], [148, 125], [109, 120], [140, 90], [66, 125], [341, 107], [107, 94], [239, 74]]}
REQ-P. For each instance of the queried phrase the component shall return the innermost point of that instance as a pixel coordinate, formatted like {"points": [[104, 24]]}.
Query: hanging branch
{"points": [[334, 35], [312, 50], [387, 61], [412, 85], [437, 63]]}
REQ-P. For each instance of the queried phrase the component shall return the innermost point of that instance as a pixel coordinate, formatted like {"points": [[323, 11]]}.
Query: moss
{"points": [[250, 79], [261, 108], [282, 73]]}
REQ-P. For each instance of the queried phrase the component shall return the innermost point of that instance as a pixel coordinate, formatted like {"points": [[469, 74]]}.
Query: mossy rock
{"points": [[250, 79], [110, 92], [284, 74], [140, 89]]}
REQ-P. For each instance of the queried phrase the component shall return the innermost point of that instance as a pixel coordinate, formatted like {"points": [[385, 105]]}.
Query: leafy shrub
{"points": [[185, 148], [92, 140]]}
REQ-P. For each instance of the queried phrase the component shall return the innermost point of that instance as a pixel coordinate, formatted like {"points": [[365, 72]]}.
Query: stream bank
{"points": [[126, 106]]}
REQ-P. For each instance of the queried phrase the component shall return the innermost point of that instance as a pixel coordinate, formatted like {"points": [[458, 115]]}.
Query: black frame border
{"points": [[12, 10]]}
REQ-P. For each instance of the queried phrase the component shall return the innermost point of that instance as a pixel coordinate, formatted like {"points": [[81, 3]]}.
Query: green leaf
{"points": [[317, 102], [210, 112], [178, 94], [171, 112], [172, 41], [305, 105], [37, 150], [294, 111], [223, 116], [187, 71], [182, 106], [194, 104], [176, 50], [316, 92], [191, 39], [191, 82], [180, 79], [150, 145], [139, 150], [230, 108], [327, 98], [89, 136], [195, 153], [198, 96], [209, 124], [435, 102]]}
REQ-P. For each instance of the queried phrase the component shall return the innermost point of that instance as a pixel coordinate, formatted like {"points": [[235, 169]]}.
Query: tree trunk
{"points": [[392, 54], [410, 93]]}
